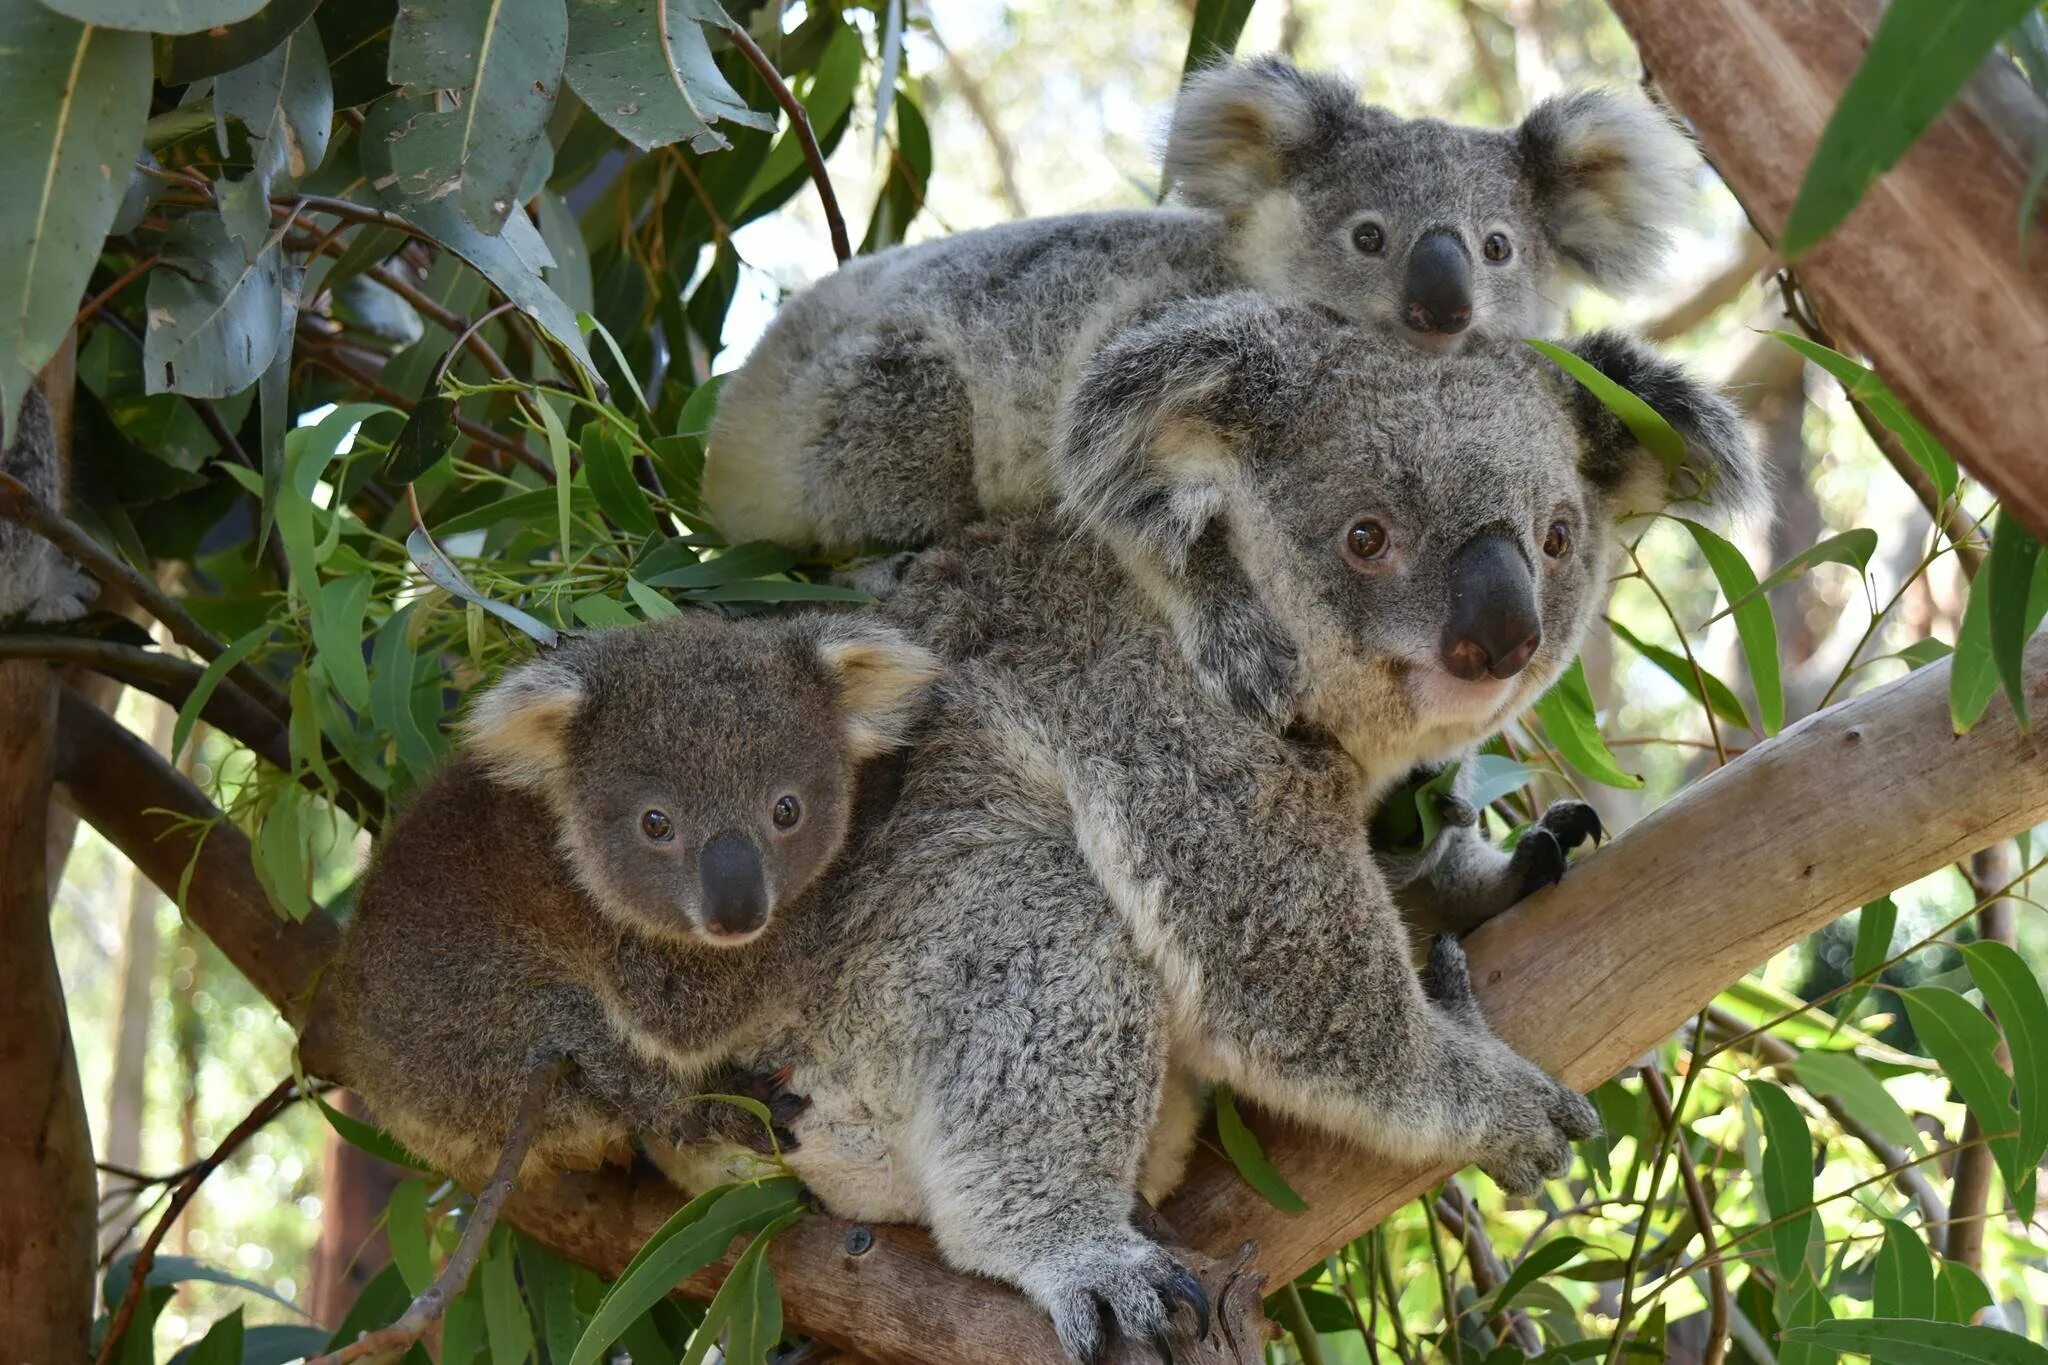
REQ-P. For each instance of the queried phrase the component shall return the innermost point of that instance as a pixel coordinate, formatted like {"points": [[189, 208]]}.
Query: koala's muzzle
{"points": [[735, 886], [1493, 627], [1438, 296]]}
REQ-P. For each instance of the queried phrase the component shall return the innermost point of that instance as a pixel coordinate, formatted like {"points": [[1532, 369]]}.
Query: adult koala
{"points": [[1103, 882], [916, 389]]}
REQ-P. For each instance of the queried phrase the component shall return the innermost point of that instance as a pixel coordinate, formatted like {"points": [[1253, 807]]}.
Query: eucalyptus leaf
{"points": [[187, 57], [157, 16], [1644, 422], [1787, 1178], [441, 571], [1959, 1037], [505, 1324], [405, 1225], [286, 101], [1874, 926], [1241, 1145], [73, 99], [1853, 548], [2015, 555], [1569, 720], [1974, 674], [645, 67], [2014, 994], [1925, 1343], [910, 168], [428, 435], [216, 305], [1864, 386], [1843, 1076], [1691, 676], [1755, 626], [1213, 35]]}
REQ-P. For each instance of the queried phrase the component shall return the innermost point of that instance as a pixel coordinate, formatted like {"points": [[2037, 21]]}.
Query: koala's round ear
{"points": [[1721, 470], [1237, 125], [519, 727], [1146, 447], [882, 676], [1612, 175]]}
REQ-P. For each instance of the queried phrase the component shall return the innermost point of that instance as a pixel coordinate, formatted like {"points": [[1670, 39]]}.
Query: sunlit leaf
{"points": [[1863, 385], [1928, 1343], [1974, 672], [1538, 1263], [1853, 548], [1214, 33], [652, 604], [1847, 1079], [338, 609], [1690, 676], [1787, 1177], [1755, 625], [1644, 422], [1917, 61], [1960, 1294], [405, 1224], [2014, 994], [1874, 926], [1241, 1145], [209, 680], [2011, 568], [1569, 721], [1903, 1285], [645, 67], [1966, 1044]]}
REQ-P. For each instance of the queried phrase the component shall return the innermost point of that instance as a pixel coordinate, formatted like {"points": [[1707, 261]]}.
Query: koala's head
{"points": [[702, 769], [1430, 231], [1433, 533]]}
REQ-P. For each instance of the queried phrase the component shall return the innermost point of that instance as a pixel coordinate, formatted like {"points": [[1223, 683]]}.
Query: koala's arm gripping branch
{"points": [[1930, 275], [389, 1343], [1844, 806]]}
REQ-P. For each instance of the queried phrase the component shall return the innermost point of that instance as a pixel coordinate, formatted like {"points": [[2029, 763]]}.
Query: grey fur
{"points": [[1104, 883], [514, 915], [895, 398], [38, 583]]}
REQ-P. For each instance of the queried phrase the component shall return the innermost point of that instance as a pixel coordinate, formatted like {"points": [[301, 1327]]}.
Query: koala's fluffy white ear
{"points": [[1613, 175], [1721, 470], [882, 676], [1146, 447], [1235, 126], [519, 727]]}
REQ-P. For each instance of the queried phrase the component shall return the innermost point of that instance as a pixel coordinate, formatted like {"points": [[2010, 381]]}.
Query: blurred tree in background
{"points": [[343, 439]]}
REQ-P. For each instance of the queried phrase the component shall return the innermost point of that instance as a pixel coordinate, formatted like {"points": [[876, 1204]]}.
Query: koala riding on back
{"points": [[616, 873], [900, 397]]}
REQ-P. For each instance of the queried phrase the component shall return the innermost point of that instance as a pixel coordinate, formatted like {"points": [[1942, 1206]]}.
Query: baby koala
{"points": [[617, 871]]}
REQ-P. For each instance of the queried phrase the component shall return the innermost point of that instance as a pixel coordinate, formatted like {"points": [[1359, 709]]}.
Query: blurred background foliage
{"points": [[948, 116]]}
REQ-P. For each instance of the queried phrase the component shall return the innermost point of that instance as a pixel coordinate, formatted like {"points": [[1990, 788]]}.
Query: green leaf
{"points": [[209, 680], [608, 466], [1242, 1147], [1925, 1343], [1538, 1263], [338, 609], [590, 324], [286, 101], [752, 560], [1844, 1075], [73, 99], [601, 612], [652, 604], [694, 1237], [748, 1305], [1918, 60], [1213, 35], [1959, 1037], [187, 57], [222, 1344], [269, 1344], [1960, 1294], [1755, 625], [1874, 926], [378, 1305], [1644, 422], [2014, 557], [405, 1224], [646, 69], [1787, 1177], [1689, 676], [157, 16], [827, 101], [558, 454], [441, 571], [394, 667], [1566, 711], [282, 861], [176, 1270], [910, 167], [550, 1293], [1853, 548], [1494, 776], [505, 1324], [1903, 1285], [2014, 995], [216, 305], [505, 56], [1974, 673], [428, 434], [1863, 385]]}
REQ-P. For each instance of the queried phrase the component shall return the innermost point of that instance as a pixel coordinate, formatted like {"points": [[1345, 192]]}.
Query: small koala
{"points": [[618, 870], [1103, 882], [38, 583], [917, 388]]}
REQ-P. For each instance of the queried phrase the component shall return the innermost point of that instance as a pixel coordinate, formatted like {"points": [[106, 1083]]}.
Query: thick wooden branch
{"points": [[1844, 806], [1926, 276]]}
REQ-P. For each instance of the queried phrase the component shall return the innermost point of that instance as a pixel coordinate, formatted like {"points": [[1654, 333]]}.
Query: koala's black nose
{"points": [[1439, 292], [735, 885], [1493, 627]]}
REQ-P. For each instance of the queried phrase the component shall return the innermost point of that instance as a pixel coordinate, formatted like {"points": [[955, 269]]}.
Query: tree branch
{"points": [[1926, 276], [806, 137]]}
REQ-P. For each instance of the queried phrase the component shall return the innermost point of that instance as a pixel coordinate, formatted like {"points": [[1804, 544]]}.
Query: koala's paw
{"points": [[1447, 979], [1543, 854], [1137, 1285], [710, 1120], [1532, 1131]]}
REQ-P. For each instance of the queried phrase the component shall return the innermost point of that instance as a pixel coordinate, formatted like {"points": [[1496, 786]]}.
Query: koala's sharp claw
{"points": [[1574, 823], [1541, 859], [1184, 1287]]}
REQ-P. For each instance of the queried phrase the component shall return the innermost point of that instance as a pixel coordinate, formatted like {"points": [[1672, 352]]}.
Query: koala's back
{"points": [[903, 395]]}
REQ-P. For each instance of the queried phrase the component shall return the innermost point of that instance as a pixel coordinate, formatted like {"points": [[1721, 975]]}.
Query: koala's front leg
{"points": [[1325, 1019], [1039, 1094]]}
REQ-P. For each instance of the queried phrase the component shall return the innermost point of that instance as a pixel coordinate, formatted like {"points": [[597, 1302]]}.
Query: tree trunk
{"points": [[1842, 807], [1926, 276]]}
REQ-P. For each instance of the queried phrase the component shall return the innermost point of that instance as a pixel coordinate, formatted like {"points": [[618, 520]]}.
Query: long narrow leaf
{"points": [[1755, 625], [1241, 1145], [1566, 711]]}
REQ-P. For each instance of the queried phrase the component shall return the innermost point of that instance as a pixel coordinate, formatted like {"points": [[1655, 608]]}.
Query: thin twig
{"points": [[1489, 1272], [19, 505], [266, 1109], [1718, 1301], [121, 281], [800, 124], [388, 1343], [1453, 1319], [383, 393]]}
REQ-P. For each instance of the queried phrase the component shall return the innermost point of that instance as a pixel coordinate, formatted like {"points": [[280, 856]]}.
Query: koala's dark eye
{"points": [[1496, 246], [657, 826], [1558, 543], [1366, 540], [1370, 238], [788, 810]]}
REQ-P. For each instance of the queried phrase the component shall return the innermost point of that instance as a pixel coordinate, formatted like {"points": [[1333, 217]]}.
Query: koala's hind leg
{"points": [[1039, 1098]]}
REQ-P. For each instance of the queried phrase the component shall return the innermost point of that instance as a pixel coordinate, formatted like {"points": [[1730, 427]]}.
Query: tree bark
{"points": [[1925, 276], [1840, 808]]}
